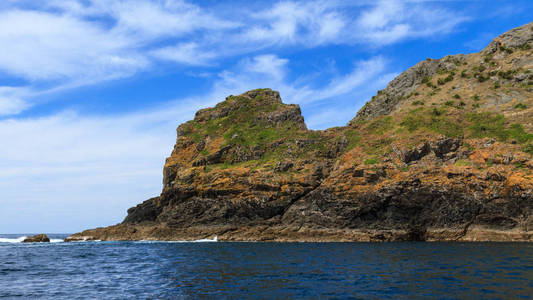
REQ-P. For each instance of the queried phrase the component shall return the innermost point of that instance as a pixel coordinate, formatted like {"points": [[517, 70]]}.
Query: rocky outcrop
{"points": [[39, 238], [413, 164], [398, 90], [400, 87]]}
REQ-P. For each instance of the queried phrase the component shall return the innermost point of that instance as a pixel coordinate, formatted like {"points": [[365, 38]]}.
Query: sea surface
{"points": [[230, 270]]}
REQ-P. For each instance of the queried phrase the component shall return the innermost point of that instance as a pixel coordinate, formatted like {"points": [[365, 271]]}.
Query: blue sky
{"points": [[91, 91]]}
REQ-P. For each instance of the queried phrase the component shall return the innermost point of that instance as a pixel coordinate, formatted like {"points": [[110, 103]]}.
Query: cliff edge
{"points": [[443, 153]]}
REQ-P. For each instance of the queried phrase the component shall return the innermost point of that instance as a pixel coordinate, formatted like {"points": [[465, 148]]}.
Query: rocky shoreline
{"points": [[285, 234]]}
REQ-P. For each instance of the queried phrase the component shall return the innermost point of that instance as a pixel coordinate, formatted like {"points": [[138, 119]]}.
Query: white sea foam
{"points": [[215, 239], [12, 240], [20, 239]]}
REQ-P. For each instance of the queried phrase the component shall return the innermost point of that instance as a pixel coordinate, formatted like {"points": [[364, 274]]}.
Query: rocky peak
{"points": [[400, 88], [240, 128], [513, 39], [387, 99], [263, 107]]}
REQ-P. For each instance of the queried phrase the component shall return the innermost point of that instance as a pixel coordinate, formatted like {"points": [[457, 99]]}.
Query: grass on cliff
{"points": [[474, 125], [437, 120]]}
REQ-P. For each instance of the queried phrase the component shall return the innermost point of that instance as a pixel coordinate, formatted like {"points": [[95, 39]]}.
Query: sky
{"points": [[91, 91]]}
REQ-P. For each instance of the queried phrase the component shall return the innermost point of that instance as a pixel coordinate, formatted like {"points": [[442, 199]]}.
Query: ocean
{"points": [[235, 270]]}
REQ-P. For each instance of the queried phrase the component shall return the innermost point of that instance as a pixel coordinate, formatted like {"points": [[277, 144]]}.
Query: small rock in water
{"points": [[39, 238]]}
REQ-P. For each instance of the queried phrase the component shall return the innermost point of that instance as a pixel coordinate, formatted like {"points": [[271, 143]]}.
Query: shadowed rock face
{"points": [[413, 165]]}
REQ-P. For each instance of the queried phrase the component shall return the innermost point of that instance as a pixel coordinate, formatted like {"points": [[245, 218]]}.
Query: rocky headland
{"points": [[443, 153]]}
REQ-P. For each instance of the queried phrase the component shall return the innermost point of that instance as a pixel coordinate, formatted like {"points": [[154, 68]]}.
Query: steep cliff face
{"points": [[443, 153]]}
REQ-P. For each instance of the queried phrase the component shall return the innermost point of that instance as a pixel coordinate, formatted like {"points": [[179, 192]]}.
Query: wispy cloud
{"points": [[12, 100], [44, 46], [186, 53], [74, 43], [392, 21]]}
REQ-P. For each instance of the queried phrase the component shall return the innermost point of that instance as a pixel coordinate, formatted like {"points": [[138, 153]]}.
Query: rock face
{"points": [[443, 153], [39, 238], [388, 99]]}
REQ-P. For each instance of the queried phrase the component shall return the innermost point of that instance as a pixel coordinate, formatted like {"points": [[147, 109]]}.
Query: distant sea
{"points": [[231, 270]]}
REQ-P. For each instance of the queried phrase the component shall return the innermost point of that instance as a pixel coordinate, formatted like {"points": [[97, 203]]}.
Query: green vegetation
{"points": [[463, 163], [380, 125], [427, 81], [353, 137], [377, 147], [479, 125], [418, 102], [507, 74], [442, 81], [435, 120], [475, 97], [449, 103], [517, 132], [468, 146], [528, 149], [525, 47], [520, 106], [371, 161], [456, 96], [251, 136], [507, 50], [480, 77], [487, 124]]}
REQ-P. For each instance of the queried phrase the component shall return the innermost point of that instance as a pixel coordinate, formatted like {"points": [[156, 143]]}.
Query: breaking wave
{"points": [[20, 239], [215, 239], [13, 240]]}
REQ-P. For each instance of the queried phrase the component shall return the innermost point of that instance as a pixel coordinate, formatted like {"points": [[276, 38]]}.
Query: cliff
{"points": [[444, 152]]}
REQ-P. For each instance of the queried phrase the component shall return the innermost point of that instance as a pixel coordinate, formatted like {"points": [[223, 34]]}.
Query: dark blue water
{"points": [[118, 270]]}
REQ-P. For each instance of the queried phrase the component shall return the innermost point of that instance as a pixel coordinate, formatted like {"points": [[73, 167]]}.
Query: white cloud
{"points": [[186, 53], [381, 15], [84, 171], [12, 100], [268, 64], [392, 21], [74, 43], [159, 18], [40, 45], [307, 23], [362, 72]]}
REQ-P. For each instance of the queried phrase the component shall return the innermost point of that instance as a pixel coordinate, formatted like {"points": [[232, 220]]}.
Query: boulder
{"points": [[39, 238]]}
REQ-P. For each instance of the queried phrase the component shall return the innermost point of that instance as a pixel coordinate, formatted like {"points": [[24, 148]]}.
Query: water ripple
{"points": [[118, 270]]}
